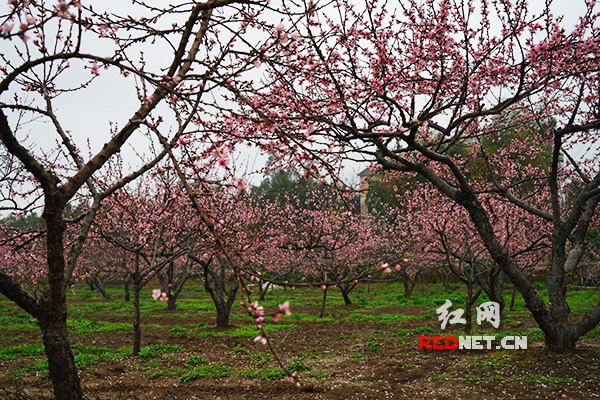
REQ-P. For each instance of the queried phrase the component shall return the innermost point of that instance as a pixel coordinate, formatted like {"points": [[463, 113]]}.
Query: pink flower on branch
{"points": [[285, 308], [95, 68], [260, 338], [7, 27]]}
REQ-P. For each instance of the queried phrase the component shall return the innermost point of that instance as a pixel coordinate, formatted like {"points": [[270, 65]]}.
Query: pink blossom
{"points": [[223, 161], [7, 27], [163, 297], [240, 185], [260, 311], [62, 9], [285, 307], [323, 287], [95, 68], [385, 269], [149, 100], [261, 339], [156, 294], [279, 28]]}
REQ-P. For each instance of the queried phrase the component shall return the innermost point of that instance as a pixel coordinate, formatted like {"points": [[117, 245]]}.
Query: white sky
{"points": [[88, 114]]}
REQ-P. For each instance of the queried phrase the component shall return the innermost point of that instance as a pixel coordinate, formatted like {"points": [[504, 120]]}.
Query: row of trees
{"points": [[428, 89], [407, 87]]}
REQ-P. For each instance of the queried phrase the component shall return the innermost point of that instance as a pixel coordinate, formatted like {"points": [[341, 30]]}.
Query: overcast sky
{"points": [[112, 99]]}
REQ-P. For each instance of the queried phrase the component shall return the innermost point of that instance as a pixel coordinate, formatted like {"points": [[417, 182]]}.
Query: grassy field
{"points": [[367, 350]]}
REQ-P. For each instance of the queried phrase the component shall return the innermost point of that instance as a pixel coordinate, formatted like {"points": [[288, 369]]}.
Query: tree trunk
{"points": [[223, 306], [562, 338], [552, 319], [127, 282], [493, 286], [512, 299], [262, 290], [444, 278], [346, 297], [498, 289], [171, 302], [346, 288], [468, 317], [322, 314], [53, 321], [471, 299], [137, 287], [222, 315], [100, 285], [137, 330], [408, 285], [61, 364]]}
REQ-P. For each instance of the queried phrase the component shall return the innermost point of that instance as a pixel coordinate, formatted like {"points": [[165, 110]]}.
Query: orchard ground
{"points": [[368, 350]]}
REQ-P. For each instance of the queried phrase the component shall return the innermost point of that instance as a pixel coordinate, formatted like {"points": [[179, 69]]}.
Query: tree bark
{"points": [[322, 314], [215, 281], [444, 278], [408, 285], [512, 299], [61, 363], [137, 330], [53, 322], [346, 297], [346, 288], [222, 306], [137, 287], [127, 296]]}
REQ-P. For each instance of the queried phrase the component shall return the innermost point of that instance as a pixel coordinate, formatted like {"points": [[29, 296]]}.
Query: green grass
{"points": [[22, 322], [537, 378], [40, 368], [380, 319], [178, 330], [86, 360], [82, 326], [247, 331], [269, 374], [297, 366], [22, 351], [196, 360], [164, 360], [214, 371], [273, 374], [261, 358], [303, 317], [158, 350], [423, 330]]}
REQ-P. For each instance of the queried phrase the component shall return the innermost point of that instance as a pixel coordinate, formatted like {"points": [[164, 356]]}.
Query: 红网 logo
{"points": [[489, 312], [471, 342]]}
